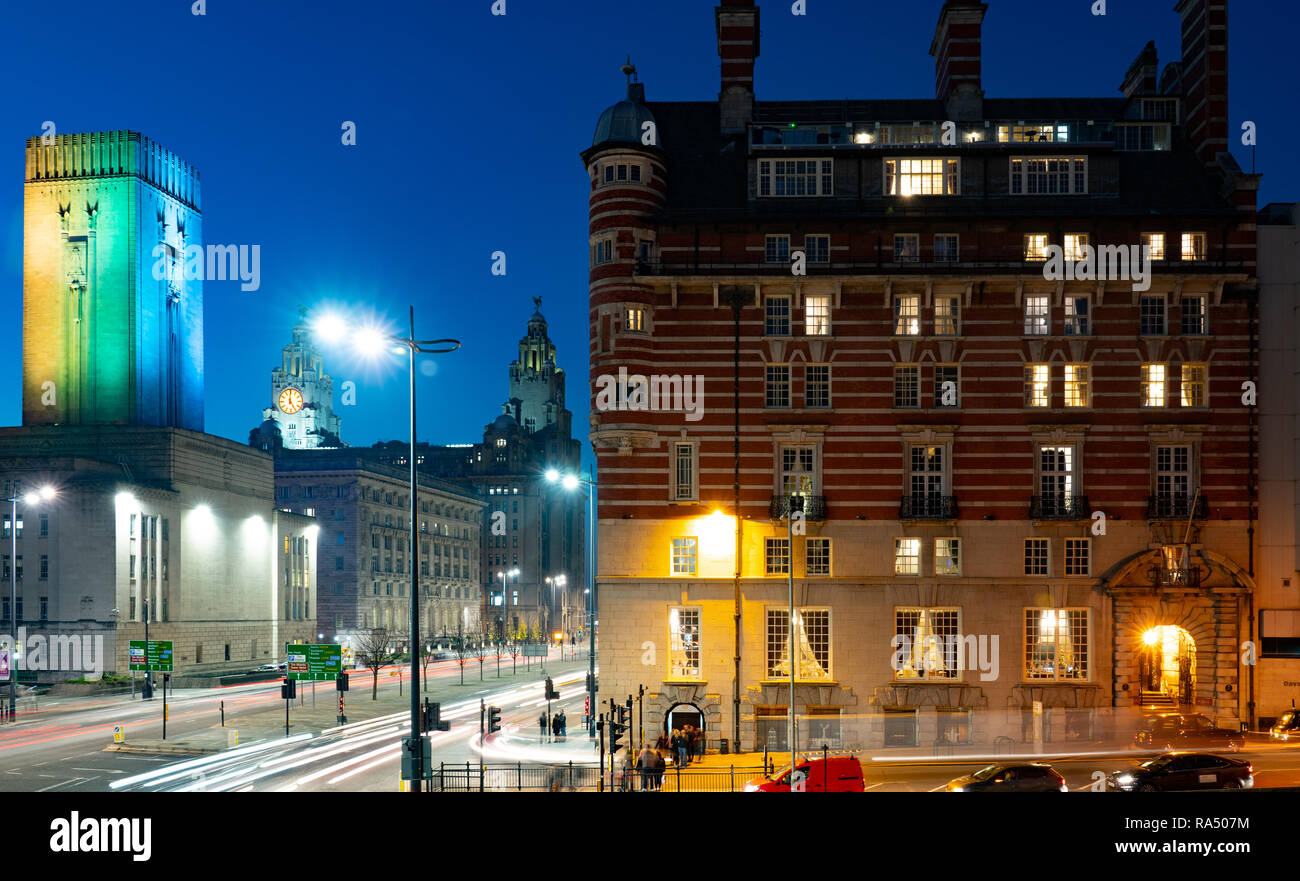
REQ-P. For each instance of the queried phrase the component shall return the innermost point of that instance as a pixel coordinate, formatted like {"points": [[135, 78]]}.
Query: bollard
{"points": [[232, 737], [223, 714]]}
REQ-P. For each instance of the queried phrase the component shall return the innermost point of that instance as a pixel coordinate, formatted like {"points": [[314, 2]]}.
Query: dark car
{"points": [[1035, 777], [1287, 727], [1171, 731], [1183, 771]]}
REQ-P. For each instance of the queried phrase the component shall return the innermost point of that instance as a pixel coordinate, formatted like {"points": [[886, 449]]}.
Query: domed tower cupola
{"points": [[628, 171]]}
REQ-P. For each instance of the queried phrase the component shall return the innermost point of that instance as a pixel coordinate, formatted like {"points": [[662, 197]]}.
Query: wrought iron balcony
{"points": [[1059, 507], [814, 507], [1184, 577], [1169, 506], [928, 507]]}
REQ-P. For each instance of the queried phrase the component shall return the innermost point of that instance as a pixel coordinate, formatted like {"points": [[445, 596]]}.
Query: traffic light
{"points": [[431, 717], [342, 682], [617, 727], [591, 683], [289, 690], [551, 693], [494, 720]]}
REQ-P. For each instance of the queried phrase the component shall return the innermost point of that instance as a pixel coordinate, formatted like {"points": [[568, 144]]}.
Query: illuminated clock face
{"points": [[290, 401]]}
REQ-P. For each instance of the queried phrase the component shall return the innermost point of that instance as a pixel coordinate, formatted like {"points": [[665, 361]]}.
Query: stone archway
{"points": [[658, 704]]}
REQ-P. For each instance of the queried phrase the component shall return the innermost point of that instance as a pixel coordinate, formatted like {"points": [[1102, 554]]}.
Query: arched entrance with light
{"points": [[1167, 666]]}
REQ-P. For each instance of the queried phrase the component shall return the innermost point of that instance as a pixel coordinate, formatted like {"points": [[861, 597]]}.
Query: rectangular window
{"points": [[1038, 385], [778, 249], [1031, 134], [1037, 315], [947, 386], [922, 177], [947, 248], [798, 470], [1078, 556], [683, 471], [1056, 644], [1173, 477], [1037, 555], [907, 386], [817, 556], [776, 553], [812, 640], [1154, 242], [634, 321], [1153, 385], [684, 556], [907, 247], [1076, 316], [45, 609], [1056, 479], [1076, 246], [907, 556], [817, 248], [817, 316], [1193, 246], [907, 315], [1193, 385], [684, 642], [1152, 321], [1196, 316], [1033, 176], [604, 252], [45, 567], [928, 643], [817, 386], [778, 316], [947, 556], [1078, 385], [796, 177], [45, 524], [947, 315], [1035, 247], [778, 386], [926, 478]]}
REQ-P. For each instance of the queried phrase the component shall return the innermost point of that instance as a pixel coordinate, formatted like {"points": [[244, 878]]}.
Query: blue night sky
{"points": [[469, 128]]}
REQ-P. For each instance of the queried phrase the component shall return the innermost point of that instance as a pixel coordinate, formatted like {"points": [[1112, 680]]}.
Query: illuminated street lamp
{"points": [[44, 494], [371, 341], [571, 482]]}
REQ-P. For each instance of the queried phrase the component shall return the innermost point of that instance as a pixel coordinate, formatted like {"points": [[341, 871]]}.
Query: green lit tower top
{"points": [[112, 325]]}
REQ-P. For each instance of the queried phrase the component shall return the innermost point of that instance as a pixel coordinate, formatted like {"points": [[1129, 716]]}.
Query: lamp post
{"points": [[373, 340], [44, 493], [571, 482]]}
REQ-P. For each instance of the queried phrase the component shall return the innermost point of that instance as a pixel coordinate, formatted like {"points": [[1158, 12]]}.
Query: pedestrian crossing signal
{"points": [[494, 720]]}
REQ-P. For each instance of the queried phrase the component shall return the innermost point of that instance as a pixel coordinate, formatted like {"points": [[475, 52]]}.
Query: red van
{"points": [[835, 774]]}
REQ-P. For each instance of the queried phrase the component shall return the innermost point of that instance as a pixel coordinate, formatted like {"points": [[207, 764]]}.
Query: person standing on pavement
{"points": [[541, 725], [629, 770], [564, 725], [646, 764]]}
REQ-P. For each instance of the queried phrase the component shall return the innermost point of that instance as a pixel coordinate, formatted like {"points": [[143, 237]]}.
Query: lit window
{"points": [[947, 556], [1076, 245], [907, 386], [1193, 246], [1038, 385], [929, 643], [1035, 247], [1154, 242], [795, 177], [635, 321], [817, 316], [776, 553], [778, 249], [1030, 134], [684, 556], [684, 642], [1056, 644], [907, 556], [1037, 555], [798, 471], [1049, 176], [777, 316], [778, 386], [1037, 315], [1152, 316], [947, 311], [1193, 385], [921, 177], [907, 316], [812, 640], [1078, 387], [1153, 385]]}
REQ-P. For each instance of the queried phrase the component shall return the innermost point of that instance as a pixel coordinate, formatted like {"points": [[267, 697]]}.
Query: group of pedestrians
{"points": [[558, 725], [650, 767], [686, 743]]}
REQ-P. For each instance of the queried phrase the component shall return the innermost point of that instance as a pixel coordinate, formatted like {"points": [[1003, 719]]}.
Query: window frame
{"points": [[769, 175], [1085, 383], [910, 317], [915, 370], [772, 614], [1203, 384], [893, 174], [1034, 382], [900, 558], [820, 571], [769, 386], [688, 553], [1086, 543], [808, 384], [1036, 322], [955, 553], [1076, 172], [1045, 556], [1034, 614], [677, 645], [1147, 384]]}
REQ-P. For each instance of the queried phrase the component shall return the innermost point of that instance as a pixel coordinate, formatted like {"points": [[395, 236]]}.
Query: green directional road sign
{"points": [[154, 654], [314, 661]]}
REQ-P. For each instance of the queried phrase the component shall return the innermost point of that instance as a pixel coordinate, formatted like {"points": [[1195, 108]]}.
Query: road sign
{"points": [[154, 654], [6, 665], [119, 734], [314, 662]]}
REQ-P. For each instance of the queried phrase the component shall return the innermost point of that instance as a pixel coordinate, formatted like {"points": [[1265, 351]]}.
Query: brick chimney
{"points": [[956, 51], [1205, 76], [1142, 76], [737, 25]]}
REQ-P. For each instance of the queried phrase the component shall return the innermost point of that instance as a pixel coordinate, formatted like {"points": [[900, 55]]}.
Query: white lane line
{"points": [[937, 788], [376, 763], [873, 786], [71, 782], [105, 770]]}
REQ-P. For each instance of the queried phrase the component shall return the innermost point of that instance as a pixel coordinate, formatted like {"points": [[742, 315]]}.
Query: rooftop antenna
{"points": [[629, 70]]}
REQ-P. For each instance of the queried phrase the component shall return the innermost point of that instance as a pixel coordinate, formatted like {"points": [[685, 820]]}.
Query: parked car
{"points": [[1183, 771], [1287, 727], [834, 774], [1034, 777], [271, 668], [1173, 731]]}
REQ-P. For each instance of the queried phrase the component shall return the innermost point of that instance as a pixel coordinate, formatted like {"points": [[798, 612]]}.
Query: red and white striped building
{"points": [[1044, 483]]}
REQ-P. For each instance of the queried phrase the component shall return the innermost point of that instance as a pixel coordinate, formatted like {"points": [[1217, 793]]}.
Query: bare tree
{"points": [[374, 650], [481, 653], [462, 651]]}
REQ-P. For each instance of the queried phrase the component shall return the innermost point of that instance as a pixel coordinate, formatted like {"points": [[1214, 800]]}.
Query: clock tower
{"points": [[302, 396]]}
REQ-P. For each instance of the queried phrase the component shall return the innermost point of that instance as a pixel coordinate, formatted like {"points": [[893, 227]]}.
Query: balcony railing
{"points": [[814, 507], [928, 507], [887, 264], [1183, 577], [1059, 507], [1166, 506]]}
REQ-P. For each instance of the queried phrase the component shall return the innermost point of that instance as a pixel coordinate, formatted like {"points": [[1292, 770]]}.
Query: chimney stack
{"points": [[956, 51], [737, 26], [1142, 76], [1205, 76]]}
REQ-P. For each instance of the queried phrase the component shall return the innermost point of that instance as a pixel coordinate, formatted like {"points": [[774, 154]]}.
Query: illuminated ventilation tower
{"points": [[112, 330], [302, 396]]}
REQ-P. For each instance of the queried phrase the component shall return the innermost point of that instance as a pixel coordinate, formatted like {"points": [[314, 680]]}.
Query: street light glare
{"points": [[330, 328], [552, 475], [570, 482], [370, 341]]}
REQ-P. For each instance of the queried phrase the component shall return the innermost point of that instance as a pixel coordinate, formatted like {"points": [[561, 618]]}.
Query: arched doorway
{"points": [[1167, 665], [682, 714]]}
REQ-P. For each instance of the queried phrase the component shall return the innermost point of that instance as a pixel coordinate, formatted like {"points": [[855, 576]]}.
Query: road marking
{"points": [[873, 786], [105, 770], [73, 781], [937, 788]]}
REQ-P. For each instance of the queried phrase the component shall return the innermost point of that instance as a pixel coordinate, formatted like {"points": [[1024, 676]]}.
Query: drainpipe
{"points": [[1250, 530], [737, 302]]}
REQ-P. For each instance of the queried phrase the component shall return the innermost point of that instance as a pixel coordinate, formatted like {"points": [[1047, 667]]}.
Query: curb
{"points": [[161, 749]]}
